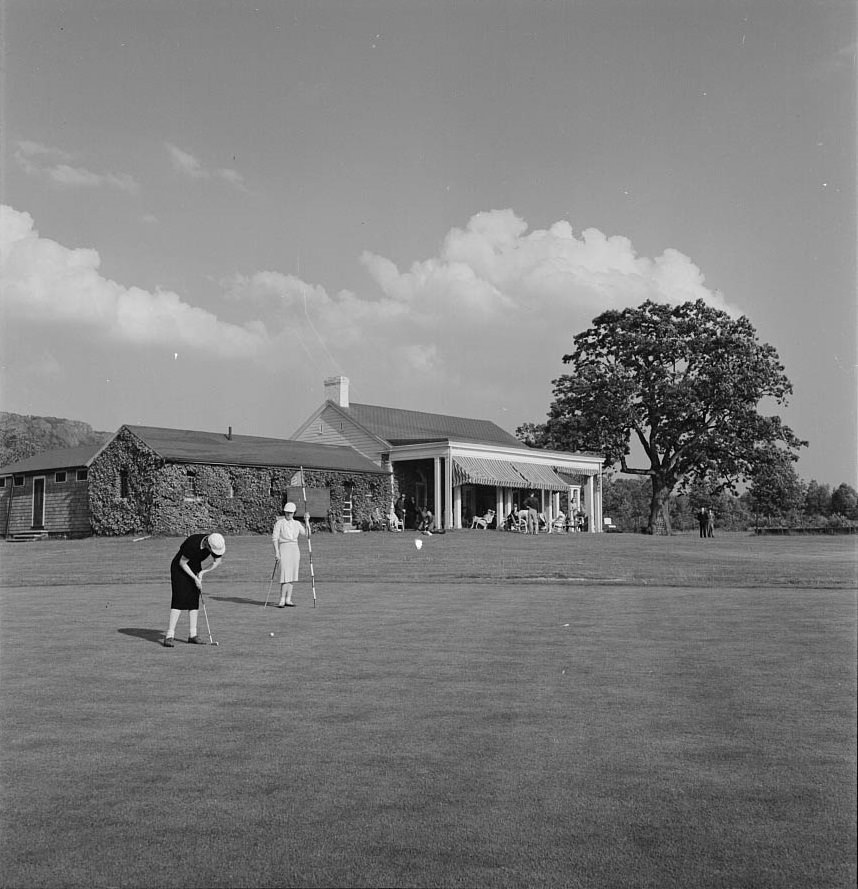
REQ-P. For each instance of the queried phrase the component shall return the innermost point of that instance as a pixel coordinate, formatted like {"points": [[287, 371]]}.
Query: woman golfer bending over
{"points": [[186, 579], [285, 539]]}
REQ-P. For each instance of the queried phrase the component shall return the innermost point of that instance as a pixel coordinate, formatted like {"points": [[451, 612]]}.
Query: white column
{"points": [[448, 492], [591, 503], [457, 506], [500, 514], [436, 521]]}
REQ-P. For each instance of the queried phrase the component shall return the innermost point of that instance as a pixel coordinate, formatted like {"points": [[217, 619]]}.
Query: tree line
{"points": [[627, 500]]}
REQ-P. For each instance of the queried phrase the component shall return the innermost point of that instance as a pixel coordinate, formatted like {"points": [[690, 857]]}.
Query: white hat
{"points": [[216, 544], [289, 507]]}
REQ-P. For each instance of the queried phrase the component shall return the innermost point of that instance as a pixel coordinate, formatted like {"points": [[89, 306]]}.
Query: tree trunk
{"points": [[659, 508]]}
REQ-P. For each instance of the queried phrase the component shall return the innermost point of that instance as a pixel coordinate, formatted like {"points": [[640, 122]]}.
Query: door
{"points": [[38, 503]]}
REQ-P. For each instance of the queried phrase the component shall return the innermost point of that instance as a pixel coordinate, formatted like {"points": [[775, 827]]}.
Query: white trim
{"points": [[591, 463]]}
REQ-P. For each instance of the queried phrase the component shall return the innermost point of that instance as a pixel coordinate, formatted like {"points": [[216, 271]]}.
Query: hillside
{"points": [[21, 435]]}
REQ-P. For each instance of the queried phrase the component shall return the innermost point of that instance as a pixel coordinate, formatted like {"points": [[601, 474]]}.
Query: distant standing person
{"points": [[531, 504], [285, 538], [399, 509], [186, 580], [710, 523], [410, 512], [703, 520]]}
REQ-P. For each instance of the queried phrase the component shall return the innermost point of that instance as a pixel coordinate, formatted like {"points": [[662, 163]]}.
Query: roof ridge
{"points": [[406, 410]]}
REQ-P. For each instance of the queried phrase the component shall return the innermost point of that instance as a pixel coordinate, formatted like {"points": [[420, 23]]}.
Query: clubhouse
{"points": [[353, 459]]}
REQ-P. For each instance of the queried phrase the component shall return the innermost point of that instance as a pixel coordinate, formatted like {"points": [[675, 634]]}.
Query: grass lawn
{"points": [[490, 711]]}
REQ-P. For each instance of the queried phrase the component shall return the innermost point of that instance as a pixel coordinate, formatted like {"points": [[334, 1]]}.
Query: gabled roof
{"points": [[188, 446], [59, 458], [399, 427]]}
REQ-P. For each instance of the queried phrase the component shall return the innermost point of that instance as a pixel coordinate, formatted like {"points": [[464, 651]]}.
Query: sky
{"points": [[208, 208]]}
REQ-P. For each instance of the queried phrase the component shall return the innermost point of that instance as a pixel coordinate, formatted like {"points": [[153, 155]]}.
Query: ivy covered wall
{"points": [[186, 498], [110, 513]]}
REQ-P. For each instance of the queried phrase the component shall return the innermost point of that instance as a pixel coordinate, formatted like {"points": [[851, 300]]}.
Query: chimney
{"points": [[337, 390], [229, 434]]}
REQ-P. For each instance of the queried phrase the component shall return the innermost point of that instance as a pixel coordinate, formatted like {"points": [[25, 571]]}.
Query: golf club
{"points": [[309, 542], [271, 582], [206, 615]]}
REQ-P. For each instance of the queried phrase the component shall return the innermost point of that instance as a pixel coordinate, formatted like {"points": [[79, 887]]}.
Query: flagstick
{"points": [[309, 542]]}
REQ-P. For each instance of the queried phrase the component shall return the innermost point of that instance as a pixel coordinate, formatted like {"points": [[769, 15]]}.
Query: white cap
{"points": [[289, 507], [216, 544]]}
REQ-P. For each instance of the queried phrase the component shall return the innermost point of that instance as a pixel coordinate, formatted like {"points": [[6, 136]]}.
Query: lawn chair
{"points": [[559, 523], [517, 521], [483, 522], [394, 523]]}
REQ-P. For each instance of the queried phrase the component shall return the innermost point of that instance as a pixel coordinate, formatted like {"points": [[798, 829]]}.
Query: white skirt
{"points": [[290, 559]]}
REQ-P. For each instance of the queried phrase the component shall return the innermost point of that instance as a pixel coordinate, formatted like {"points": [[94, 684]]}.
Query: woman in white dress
{"points": [[285, 538]]}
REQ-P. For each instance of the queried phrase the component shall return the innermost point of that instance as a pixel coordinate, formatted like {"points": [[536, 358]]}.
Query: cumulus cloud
{"points": [[189, 165], [45, 282], [481, 326], [491, 314], [55, 165]]}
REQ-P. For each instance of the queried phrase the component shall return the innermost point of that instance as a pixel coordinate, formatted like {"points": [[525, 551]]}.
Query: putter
{"points": [[206, 615], [271, 582]]}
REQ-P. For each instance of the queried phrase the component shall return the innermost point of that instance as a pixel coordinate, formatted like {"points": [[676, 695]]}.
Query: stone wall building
{"points": [[151, 480]]}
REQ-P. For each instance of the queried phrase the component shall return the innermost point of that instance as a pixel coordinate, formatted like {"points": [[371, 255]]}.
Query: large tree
{"points": [[685, 382]]}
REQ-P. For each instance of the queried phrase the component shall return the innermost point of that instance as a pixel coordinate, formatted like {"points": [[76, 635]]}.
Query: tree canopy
{"points": [[685, 383]]}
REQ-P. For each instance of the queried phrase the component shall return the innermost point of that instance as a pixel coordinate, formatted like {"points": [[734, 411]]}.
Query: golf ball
{"points": [[418, 543], [271, 634]]}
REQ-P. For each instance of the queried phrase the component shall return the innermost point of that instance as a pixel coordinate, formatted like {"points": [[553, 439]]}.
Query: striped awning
{"points": [[480, 471], [539, 476], [578, 477]]}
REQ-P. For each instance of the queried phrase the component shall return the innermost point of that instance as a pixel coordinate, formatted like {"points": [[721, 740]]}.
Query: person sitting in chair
{"points": [[424, 520], [483, 521]]}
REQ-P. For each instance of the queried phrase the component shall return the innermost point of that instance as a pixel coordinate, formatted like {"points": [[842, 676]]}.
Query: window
{"points": [[190, 491], [19, 481], [123, 484], [82, 475], [3, 482], [59, 477]]}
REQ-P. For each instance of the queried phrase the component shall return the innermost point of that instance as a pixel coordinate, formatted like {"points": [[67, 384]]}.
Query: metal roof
{"points": [[188, 446], [59, 458], [399, 427]]}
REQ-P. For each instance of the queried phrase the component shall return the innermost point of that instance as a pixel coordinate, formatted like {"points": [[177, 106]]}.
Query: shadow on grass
{"points": [[239, 600], [143, 633]]}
